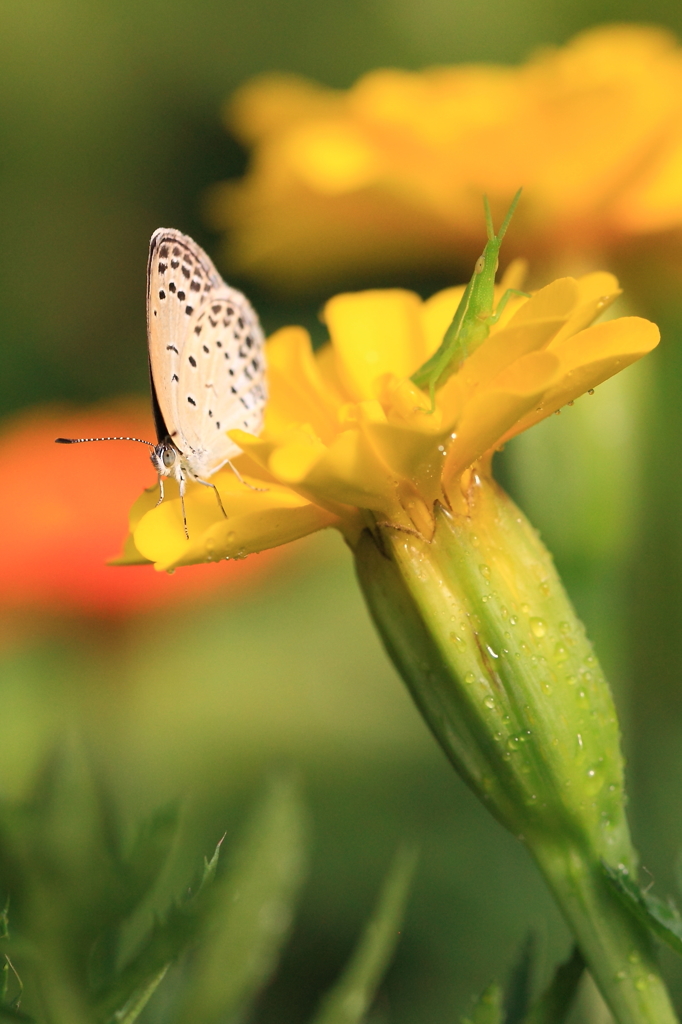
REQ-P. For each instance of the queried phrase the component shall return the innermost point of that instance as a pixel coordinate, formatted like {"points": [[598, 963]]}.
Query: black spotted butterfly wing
{"points": [[206, 355]]}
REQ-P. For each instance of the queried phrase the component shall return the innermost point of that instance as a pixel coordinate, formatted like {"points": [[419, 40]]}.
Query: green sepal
{"points": [[479, 626], [660, 917], [488, 1008], [352, 995]]}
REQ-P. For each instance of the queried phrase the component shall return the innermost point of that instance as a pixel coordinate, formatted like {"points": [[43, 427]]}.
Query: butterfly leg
{"points": [[242, 480], [207, 483], [160, 491], [182, 503]]}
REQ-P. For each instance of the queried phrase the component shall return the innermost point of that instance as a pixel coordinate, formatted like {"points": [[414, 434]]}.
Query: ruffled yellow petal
{"points": [[406, 404], [297, 391], [130, 554], [374, 333], [412, 455], [493, 410], [505, 348], [557, 299], [250, 525], [350, 473], [588, 359], [596, 292], [437, 313]]}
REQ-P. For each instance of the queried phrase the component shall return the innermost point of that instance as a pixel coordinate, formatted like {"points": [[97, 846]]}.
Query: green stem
{"points": [[617, 950]]}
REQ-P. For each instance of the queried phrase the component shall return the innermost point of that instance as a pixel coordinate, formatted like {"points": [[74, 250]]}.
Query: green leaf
{"points": [[168, 938], [149, 854], [658, 916], [351, 997], [251, 909], [131, 879], [555, 1002], [12, 1014], [518, 993], [488, 1008], [131, 1011]]}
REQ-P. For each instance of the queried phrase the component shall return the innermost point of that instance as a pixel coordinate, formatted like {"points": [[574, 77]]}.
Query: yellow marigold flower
{"points": [[348, 436], [389, 173]]}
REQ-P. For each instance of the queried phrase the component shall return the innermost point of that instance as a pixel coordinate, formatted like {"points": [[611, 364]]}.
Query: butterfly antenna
{"points": [[79, 440]]}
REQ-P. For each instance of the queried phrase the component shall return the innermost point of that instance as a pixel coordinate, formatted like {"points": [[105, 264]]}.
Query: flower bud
{"points": [[481, 629]]}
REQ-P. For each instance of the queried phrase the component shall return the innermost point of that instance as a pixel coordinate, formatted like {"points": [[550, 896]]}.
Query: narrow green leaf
{"points": [[659, 917], [351, 997], [210, 867], [251, 909], [131, 1011], [555, 1002], [488, 1008]]}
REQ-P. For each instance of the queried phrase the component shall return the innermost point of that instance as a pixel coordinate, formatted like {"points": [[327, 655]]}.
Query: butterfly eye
{"points": [[168, 457]]}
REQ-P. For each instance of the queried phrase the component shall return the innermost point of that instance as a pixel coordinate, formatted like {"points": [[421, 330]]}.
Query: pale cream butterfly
{"points": [[206, 365]]}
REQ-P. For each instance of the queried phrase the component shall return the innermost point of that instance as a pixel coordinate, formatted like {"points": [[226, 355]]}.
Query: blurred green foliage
{"points": [[75, 890], [110, 117]]}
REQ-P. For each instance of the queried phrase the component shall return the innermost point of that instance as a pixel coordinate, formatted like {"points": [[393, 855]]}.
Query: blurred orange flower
{"points": [[64, 512], [389, 174]]}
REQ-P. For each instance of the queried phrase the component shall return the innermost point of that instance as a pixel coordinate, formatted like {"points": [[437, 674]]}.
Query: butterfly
{"points": [[206, 365]]}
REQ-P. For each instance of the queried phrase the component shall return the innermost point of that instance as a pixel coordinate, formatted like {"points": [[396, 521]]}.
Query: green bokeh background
{"points": [[109, 127]]}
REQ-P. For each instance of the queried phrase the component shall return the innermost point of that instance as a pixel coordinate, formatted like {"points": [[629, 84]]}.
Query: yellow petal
{"points": [[411, 454], [596, 292], [589, 358], [407, 404], [293, 462], [297, 392], [493, 410], [361, 412], [160, 537], [437, 314], [373, 333], [557, 299], [504, 348], [130, 554], [351, 473]]}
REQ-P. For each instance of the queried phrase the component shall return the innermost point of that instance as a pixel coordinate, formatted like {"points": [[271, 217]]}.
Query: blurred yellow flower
{"points": [[349, 439], [388, 175]]}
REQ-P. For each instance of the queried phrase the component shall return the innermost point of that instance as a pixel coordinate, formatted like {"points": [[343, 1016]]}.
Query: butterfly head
{"points": [[166, 458]]}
